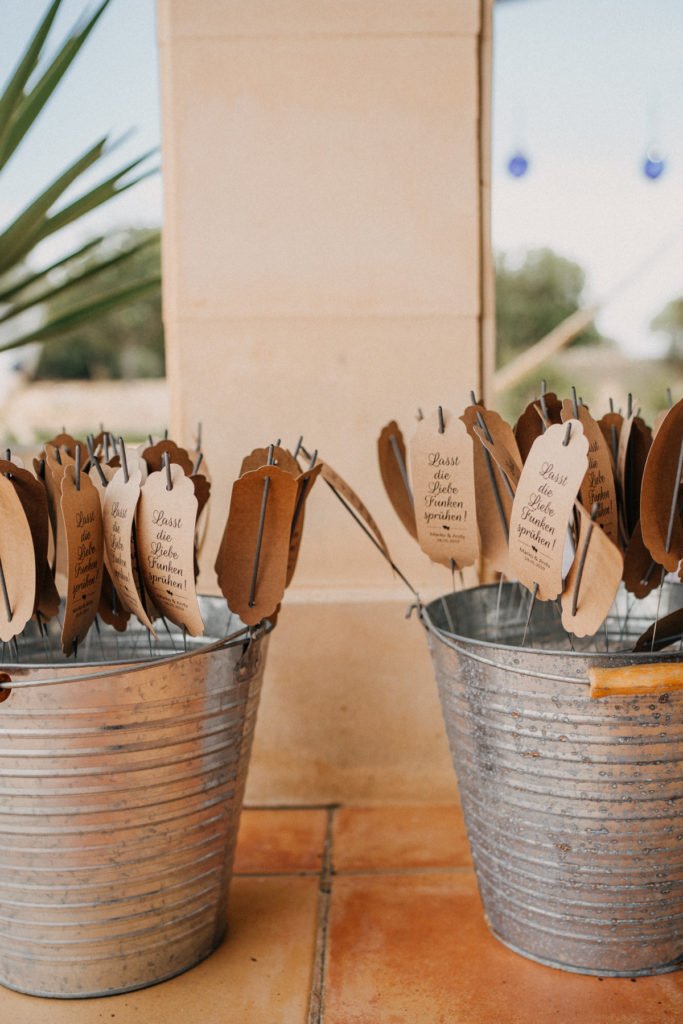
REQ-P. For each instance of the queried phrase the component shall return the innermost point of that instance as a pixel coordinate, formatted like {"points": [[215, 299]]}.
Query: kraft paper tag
{"points": [[165, 538], [305, 484], [118, 520], [502, 434], [202, 492], [503, 444], [154, 456], [393, 464], [110, 609], [544, 500], [530, 425], [493, 501], [660, 634], [442, 471], [661, 489], [108, 472], [33, 498], [54, 476], [600, 579], [203, 512], [110, 451], [135, 460], [281, 457], [331, 477], [202, 528], [622, 450], [638, 450], [238, 554], [98, 443], [18, 563], [658, 420], [55, 465], [610, 424], [598, 485], [635, 439], [82, 517], [67, 445], [641, 574], [502, 456]]}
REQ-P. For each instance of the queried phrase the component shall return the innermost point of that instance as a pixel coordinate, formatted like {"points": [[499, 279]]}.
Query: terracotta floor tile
{"points": [[278, 842], [415, 950], [260, 975], [377, 838]]}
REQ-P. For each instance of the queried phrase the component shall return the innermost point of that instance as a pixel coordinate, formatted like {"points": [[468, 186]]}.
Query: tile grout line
{"points": [[276, 874], [408, 870], [316, 1006], [287, 807], [365, 872]]}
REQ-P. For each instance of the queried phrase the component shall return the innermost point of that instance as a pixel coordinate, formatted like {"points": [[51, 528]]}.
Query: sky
{"points": [[583, 86]]}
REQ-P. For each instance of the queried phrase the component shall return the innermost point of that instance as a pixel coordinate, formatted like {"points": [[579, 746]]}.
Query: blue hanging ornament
{"points": [[518, 164], [654, 163]]}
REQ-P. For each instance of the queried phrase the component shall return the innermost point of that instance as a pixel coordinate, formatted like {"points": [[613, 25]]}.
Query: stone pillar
{"points": [[325, 270]]}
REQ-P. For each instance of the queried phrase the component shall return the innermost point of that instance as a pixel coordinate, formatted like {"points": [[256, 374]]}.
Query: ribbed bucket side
{"points": [[572, 806], [120, 798]]}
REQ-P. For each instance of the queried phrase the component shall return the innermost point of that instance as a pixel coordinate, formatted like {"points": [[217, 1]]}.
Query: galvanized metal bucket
{"points": [[121, 788], [573, 806]]}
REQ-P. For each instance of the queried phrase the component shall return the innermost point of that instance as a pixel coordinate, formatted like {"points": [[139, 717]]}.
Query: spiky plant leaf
{"points": [[26, 281], [98, 195], [72, 282], [53, 328], [14, 89], [15, 240], [23, 287], [31, 103]]}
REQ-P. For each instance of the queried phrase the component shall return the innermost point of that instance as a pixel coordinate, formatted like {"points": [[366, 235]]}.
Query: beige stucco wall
{"points": [[323, 176]]}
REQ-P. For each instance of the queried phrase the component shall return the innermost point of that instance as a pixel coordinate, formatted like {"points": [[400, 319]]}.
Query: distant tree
{"points": [[669, 321], [533, 297], [126, 341]]}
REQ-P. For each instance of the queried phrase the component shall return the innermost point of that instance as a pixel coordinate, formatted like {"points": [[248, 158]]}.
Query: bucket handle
{"points": [[247, 632], [656, 677]]}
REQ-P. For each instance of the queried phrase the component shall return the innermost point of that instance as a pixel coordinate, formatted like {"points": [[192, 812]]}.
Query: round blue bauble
{"points": [[518, 164], [654, 164]]}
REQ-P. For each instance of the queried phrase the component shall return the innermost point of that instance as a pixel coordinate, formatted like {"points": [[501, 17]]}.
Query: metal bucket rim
{"points": [[127, 666], [446, 637]]}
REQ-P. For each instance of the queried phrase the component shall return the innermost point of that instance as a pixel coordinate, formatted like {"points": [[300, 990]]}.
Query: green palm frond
{"points": [[96, 307], [46, 295], [102, 193], [28, 105], [27, 281], [15, 239], [14, 90], [23, 286]]}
